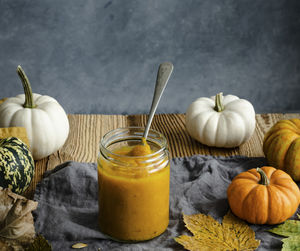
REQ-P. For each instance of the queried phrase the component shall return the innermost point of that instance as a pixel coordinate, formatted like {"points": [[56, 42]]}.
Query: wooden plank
{"points": [[87, 130], [181, 144], [81, 145]]}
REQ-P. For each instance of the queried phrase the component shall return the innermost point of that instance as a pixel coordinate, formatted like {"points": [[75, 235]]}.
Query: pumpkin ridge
{"points": [[273, 148], [232, 116], [269, 140], [286, 191], [250, 174], [292, 123], [254, 173], [245, 199], [44, 99], [264, 204], [278, 129], [296, 132], [50, 121], [284, 122], [245, 129], [269, 204], [296, 122], [192, 114], [291, 146], [270, 173], [9, 109], [290, 143], [281, 202], [284, 183], [9, 106], [247, 180], [233, 109], [291, 160], [282, 147], [222, 129], [15, 115], [287, 186], [207, 139], [292, 129], [199, 116], [234, 192]]}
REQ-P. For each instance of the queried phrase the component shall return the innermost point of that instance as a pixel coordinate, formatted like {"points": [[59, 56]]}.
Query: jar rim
{"points": [[106, 136]]}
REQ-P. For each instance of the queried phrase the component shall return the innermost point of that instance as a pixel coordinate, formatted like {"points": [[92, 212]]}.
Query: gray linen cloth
{"points": [[68, 207]]}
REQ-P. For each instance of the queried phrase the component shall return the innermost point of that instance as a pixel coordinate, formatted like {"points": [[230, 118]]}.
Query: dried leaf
{"points": [[16, 221], [18, 132], [208, 234], [39, 244], [5, 247], [79, 245]]}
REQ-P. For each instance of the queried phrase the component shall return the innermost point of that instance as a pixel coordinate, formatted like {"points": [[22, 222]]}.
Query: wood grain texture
{"points": [[87, 130], [81, 145], [181, 144]]}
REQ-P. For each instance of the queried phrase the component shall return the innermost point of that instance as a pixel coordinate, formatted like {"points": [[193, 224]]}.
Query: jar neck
{"points": [[133, 136]]}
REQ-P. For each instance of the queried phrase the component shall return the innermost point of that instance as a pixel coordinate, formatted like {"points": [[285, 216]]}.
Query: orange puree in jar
{"points": [[133, 192]]}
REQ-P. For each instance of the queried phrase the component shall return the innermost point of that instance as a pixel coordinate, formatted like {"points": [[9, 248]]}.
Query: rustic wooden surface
{"points": [[86, 131]]}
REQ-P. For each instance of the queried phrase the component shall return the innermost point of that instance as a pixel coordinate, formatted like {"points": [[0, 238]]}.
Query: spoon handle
{"points": [[163, 75]]}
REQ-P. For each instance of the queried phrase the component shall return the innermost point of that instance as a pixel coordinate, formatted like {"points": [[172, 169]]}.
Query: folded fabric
{"points": [[68, 202]]}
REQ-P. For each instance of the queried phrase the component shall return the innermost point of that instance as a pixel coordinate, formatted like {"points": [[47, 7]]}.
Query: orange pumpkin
{"points": [[263, 196], [282, 147]]}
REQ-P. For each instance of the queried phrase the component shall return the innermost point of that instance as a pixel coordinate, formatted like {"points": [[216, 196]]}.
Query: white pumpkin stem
{"points": [[263, 177], [219, 102], [27, 88]]}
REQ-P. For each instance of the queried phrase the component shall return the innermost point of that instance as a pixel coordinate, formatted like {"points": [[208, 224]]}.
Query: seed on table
{"points": [[79, 245]]}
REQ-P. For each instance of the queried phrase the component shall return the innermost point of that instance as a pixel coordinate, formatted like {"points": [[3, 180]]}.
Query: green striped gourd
{"points": [[16, 165]]}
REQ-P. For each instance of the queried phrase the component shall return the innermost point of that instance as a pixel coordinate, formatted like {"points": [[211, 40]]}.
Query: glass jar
{"points": [[133, 190]]}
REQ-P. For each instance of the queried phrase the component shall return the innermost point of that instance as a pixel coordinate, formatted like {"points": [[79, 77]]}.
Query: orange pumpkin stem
{"points": [[27, 88], [263, 177]]}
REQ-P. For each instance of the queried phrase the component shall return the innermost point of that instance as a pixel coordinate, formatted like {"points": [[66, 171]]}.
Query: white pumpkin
{"points": [[221, 121], [46, 122]]}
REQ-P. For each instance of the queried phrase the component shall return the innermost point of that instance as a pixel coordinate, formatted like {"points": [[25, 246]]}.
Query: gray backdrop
{"points": [[97, 56]]}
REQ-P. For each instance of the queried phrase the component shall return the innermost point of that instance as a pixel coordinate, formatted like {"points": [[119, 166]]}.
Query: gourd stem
{"points": [[27, 88], [219, 102], [263, 177]]}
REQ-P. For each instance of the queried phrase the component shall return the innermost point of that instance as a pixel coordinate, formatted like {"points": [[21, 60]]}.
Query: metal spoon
{"points": [[163, 75]]}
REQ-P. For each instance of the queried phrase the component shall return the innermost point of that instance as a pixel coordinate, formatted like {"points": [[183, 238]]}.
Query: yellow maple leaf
{"points": [[209, 234]]}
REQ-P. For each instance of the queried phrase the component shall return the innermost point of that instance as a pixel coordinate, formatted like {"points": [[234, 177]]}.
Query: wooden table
{"points": [[86, 131]]}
